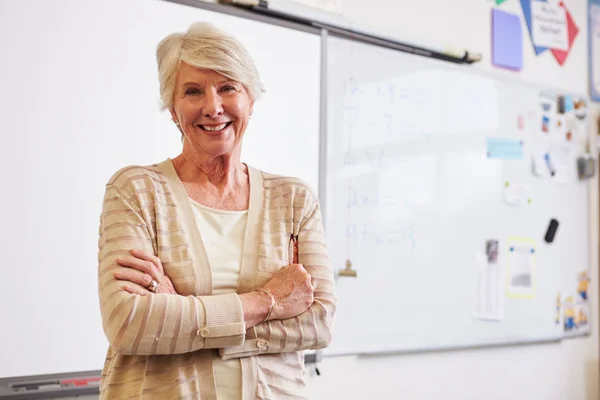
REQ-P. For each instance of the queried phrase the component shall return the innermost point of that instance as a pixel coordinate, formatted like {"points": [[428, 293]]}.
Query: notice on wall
{"points": [[517, 194], [489, 296], [549, 26], [521, 267]]}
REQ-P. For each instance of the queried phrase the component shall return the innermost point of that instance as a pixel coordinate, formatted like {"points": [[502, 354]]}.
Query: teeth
{"points": [[214, 128]]}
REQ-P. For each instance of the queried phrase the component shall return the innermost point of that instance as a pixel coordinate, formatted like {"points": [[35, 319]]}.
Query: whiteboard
{"points": [[413, 196], [79, 101]]}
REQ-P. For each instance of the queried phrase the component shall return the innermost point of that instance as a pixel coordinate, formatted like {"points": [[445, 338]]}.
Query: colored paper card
{"points": [[549, 25], [505, 149], [569, 105], [526, 5], [498, 2], [507, 40], [572, 31]]}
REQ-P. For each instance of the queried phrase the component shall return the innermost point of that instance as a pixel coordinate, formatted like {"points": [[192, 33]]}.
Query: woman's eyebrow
{"points": [[188, 83]]}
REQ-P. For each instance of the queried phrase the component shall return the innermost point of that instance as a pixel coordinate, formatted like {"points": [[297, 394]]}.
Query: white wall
{"points": [[565, 371]]}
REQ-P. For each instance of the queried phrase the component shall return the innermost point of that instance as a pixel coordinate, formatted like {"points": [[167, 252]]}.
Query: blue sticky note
{"points": [[569, 105], [504, 148], [507, 40], [526, 5]]}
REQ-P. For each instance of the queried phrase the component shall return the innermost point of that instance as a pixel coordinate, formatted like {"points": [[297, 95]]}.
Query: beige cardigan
{"points": [[161, 345]]}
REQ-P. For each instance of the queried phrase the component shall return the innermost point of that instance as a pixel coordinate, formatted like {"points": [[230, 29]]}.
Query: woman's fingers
{"points": [[148, 257], [134, 276], [147, 267], [144, 268], [135, 289]]}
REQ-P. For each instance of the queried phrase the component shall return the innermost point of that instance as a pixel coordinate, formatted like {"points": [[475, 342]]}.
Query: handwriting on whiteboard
{"points": [[376, 217], [371, 232], [414, 108], [390, 111]]}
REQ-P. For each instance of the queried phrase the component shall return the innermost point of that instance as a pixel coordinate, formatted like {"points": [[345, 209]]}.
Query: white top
{"points": [[223, 237]]}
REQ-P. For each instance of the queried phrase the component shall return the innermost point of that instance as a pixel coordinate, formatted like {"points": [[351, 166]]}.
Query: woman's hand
{"points": [[143, 269], [293, 292]]}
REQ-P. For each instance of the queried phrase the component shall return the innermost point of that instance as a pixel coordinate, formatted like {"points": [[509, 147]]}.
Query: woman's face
{"points": [[212, 110]]}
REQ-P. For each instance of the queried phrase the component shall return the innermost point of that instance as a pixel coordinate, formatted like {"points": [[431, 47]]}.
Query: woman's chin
{"points": [[218, 149], [214, 146]]}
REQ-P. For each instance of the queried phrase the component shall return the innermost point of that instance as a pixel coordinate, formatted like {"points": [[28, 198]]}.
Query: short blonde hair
{"points": [[205, 46]]}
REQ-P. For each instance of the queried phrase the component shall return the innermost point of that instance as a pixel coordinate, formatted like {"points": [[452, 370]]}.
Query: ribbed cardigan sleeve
{"points": [[155, 323], [313, 328]]}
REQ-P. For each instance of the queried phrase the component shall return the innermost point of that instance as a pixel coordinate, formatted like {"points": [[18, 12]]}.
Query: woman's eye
{"points": [[192, 91], [228, 88]]}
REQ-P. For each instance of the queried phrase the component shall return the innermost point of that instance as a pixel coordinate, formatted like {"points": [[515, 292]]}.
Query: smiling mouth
{"points": [[215, 128]]}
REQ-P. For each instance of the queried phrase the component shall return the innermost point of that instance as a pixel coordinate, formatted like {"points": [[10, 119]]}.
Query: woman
{"points": [[213, 276]]}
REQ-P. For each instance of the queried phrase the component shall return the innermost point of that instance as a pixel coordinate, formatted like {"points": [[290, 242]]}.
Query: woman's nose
{"points": [[213, 105]]}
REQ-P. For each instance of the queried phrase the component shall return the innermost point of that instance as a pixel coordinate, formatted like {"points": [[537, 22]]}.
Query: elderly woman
{"points": [[213, 276]]}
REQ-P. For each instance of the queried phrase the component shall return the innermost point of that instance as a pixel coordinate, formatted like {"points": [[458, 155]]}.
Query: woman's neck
{"points": [[221, 182], [224, 173]]}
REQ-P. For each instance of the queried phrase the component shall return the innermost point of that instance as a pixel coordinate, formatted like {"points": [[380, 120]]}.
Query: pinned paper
{"points": [[517, 195], [549, 26], [545, 124], [491, 250], [504, 148], [489, 300], [583, 282], [520, 122], [521, 267], [558, 160], [569, 321], [572, 30], [576, 306], [576, 316], [550, 164], [540, 167]]}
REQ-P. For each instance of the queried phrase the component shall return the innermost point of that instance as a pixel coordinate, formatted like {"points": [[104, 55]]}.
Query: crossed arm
{"points": [[137, 322]]}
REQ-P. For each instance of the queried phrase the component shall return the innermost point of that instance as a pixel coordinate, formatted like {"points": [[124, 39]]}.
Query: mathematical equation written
{"points": [[373, 232], [378, 113], [373, 217]]}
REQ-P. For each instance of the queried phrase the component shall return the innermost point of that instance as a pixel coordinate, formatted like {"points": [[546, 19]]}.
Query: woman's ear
{"points": [[174, 116], [251, 108]]}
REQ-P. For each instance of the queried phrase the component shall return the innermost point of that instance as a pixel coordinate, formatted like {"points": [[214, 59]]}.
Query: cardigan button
{"points": [[262, 343], [204, 332]]}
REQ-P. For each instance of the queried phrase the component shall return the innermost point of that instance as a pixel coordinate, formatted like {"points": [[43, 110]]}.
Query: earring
{"points": [[176, 123]]}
